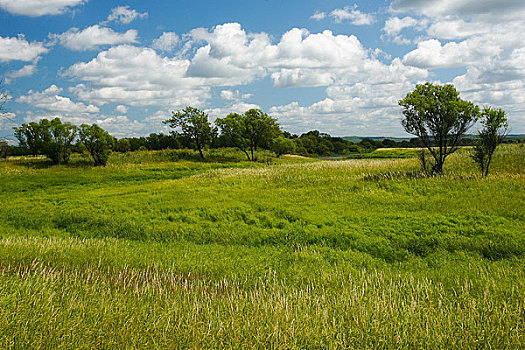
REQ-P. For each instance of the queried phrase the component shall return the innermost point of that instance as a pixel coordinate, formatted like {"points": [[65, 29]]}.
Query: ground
{"points": [[158, 252]]}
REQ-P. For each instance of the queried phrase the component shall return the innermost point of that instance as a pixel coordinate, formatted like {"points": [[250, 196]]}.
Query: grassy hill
{"points": [[155, 251]]}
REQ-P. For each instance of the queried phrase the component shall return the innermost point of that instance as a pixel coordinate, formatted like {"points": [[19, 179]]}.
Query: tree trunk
{"points": [[247, 155], [487, 165], [437, 169]]}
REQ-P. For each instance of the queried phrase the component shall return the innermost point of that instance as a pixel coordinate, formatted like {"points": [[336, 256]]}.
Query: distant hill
{"points": [[357, 139]]}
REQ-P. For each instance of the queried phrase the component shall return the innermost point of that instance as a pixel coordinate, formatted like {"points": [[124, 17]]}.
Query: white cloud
{"points": [[125, 15], [353, 15], [318, 16], [483, 36], [25, 71], [457, 29], [138, 77], [234, 95], [122, 109], [348, 109], [443, 8], [19, 49], [394, 26], [36, 8], [50, 101], [166, 42], [234, 107], [121, 126], [92, 37], [227, 56]]}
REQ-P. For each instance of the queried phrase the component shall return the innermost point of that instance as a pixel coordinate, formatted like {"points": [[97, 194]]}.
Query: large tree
{"points": [[98, 142], [50, 137], [439, 118], [494, 130], [195, 126], [249, 131]]}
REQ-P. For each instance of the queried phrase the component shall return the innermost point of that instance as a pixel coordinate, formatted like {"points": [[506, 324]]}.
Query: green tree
{"points": [[98, 142], [195, 126], [249, 131], [233, 128], [58, 144], [494, 130], [282, 145], [31, 136], [4, 149], [50, 137], [123, 145], [439, 118]]}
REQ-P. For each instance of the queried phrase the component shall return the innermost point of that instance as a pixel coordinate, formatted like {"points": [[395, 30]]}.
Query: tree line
{"points": [[247, 132], [435, 114]]}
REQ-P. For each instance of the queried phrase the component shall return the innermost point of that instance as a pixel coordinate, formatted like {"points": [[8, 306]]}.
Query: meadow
{"points": [[160, 250]]}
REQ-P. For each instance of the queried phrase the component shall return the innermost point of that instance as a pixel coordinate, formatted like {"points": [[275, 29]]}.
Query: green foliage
{"points": [[494, 130], [282, 145], [31, 136], [439, 118], [315, 143], [4, 149], [123, 146], [97, 141], [51, 138], [249, 131], [195, 125]]}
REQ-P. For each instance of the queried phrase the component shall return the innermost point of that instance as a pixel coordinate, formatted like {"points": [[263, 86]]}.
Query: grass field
{"points": [[158, 250]]}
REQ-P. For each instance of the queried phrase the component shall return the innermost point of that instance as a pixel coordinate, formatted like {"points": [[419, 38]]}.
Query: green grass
{"points": [[367, 253]]}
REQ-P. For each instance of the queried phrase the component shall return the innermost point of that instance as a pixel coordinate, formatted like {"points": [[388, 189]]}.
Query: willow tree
{"points": [[439, 118]]}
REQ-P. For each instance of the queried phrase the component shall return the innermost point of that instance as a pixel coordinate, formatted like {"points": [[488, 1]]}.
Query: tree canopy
{"points": [[494, 130], [50, 137], [195, 125], [439, 118], [249, 131], [97, 141]]}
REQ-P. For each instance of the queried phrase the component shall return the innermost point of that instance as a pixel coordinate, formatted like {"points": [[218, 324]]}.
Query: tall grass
{"points": [[151, 253]]}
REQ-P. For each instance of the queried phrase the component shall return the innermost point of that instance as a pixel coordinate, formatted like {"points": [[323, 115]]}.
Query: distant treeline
{"points": [[310, 144]]}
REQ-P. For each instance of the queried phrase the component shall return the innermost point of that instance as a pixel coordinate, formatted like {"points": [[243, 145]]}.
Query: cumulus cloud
{"points": [[348, 109], [137, 76], [50, 101], [92, 37], [352, 15], [228, 56], [36, 8], [484, 37], [125, 15], [19, 49], [166, 42]]}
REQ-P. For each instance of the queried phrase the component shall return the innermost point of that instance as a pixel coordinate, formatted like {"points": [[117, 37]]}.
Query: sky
{"points": [[335, 66]]}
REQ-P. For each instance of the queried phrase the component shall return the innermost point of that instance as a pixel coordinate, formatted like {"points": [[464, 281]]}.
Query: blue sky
{"points": [[335, 66]]}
